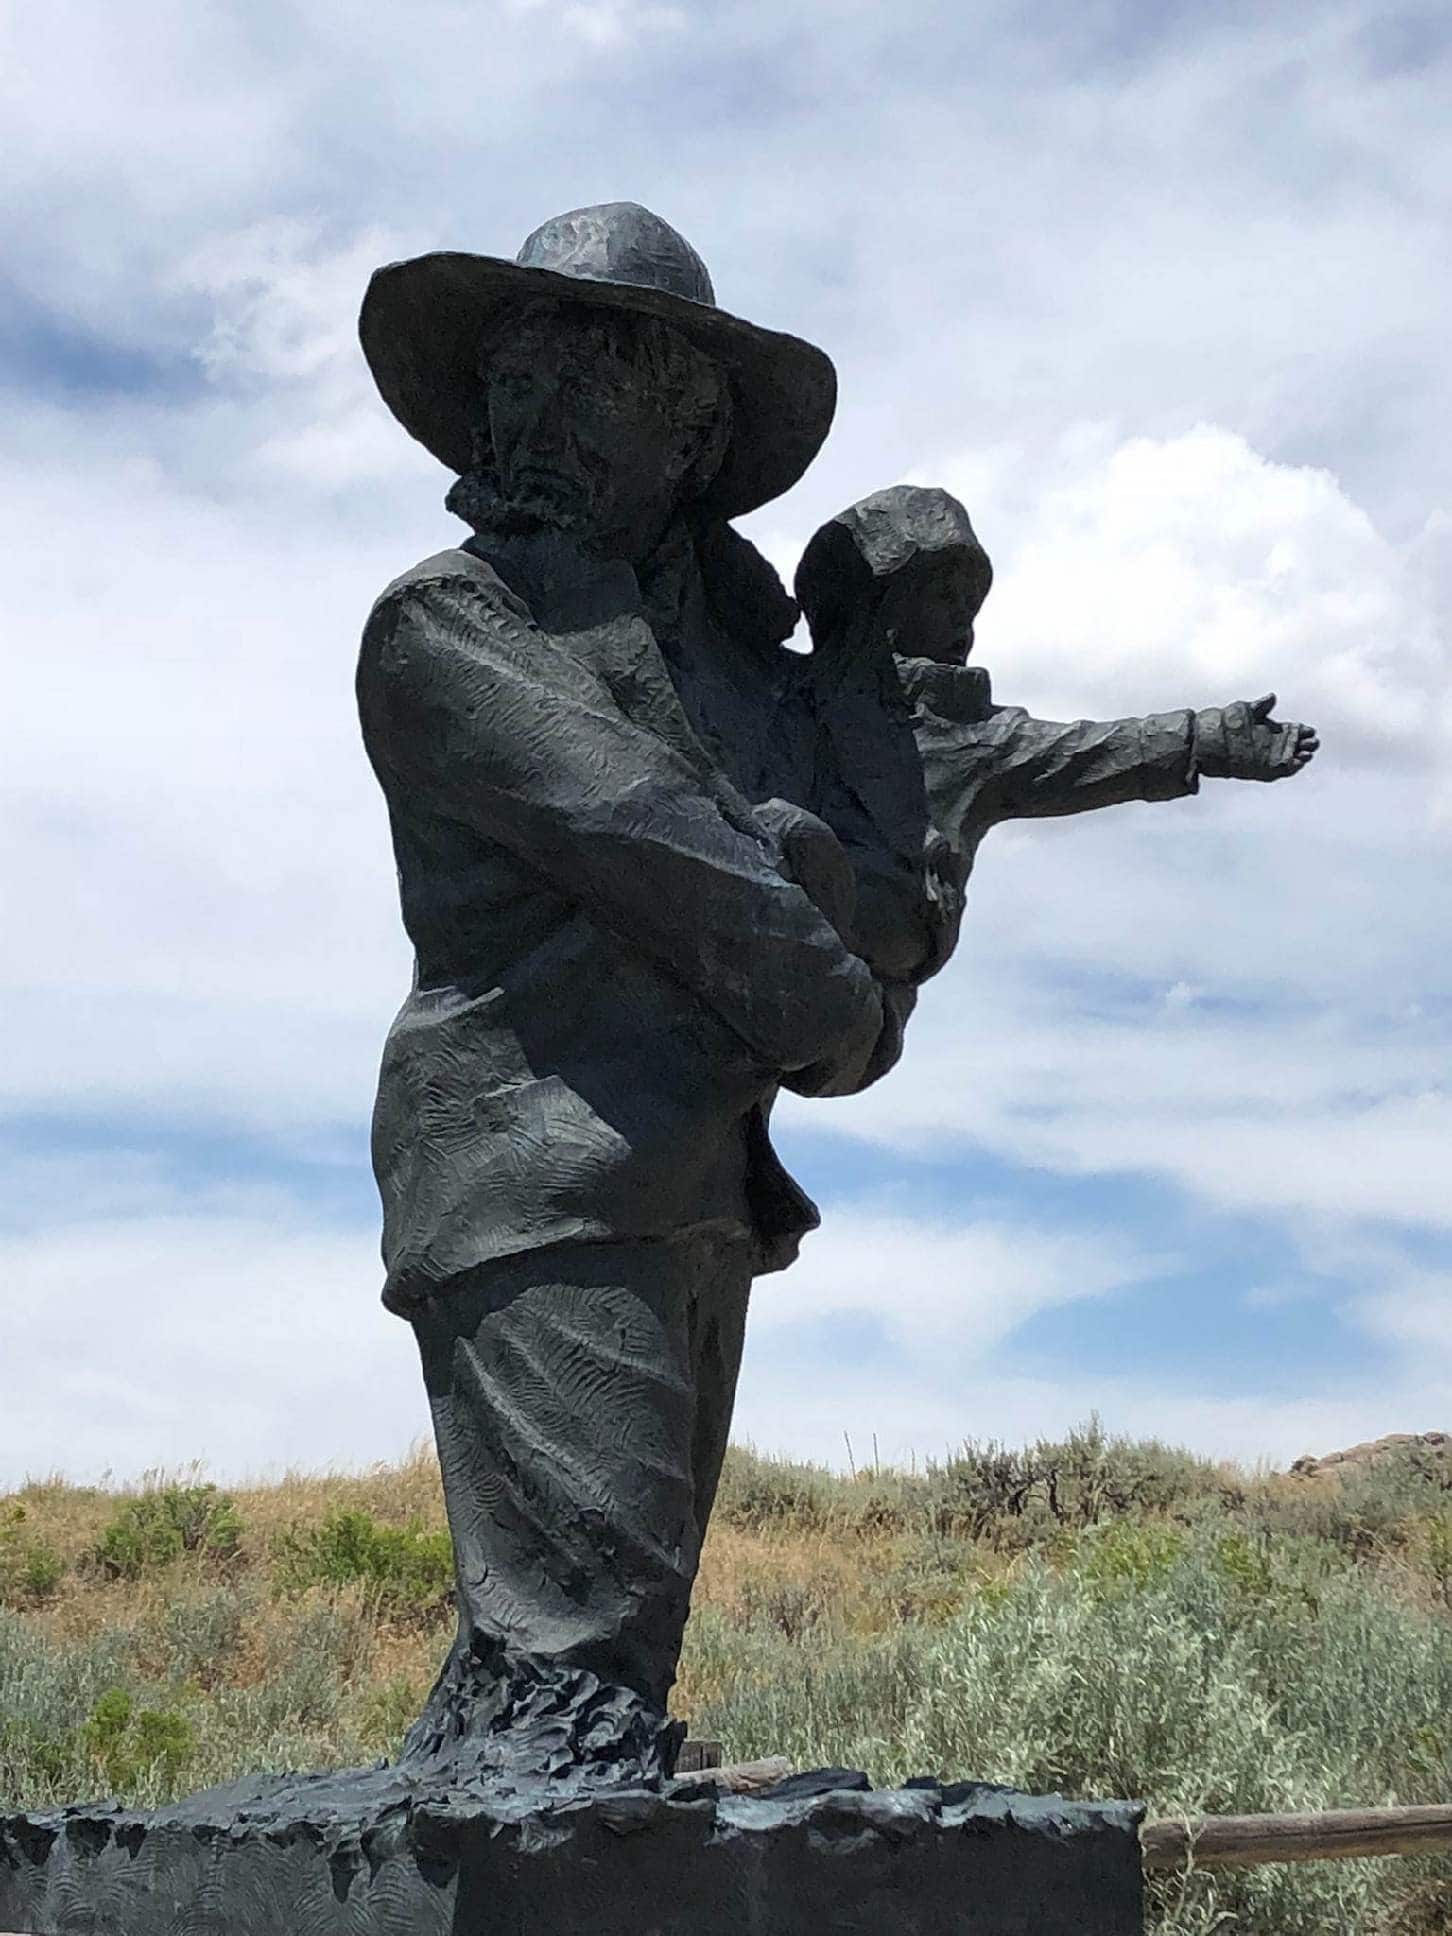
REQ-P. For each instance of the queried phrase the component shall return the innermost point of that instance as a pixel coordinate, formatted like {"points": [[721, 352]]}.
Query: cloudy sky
{"points": [[1160, 290]]}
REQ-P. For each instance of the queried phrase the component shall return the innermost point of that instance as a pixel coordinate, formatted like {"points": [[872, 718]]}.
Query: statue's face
{"points": [[586, 434], [927, 609]]}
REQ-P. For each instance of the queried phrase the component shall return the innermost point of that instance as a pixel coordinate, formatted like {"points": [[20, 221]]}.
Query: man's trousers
{"points": [[581, 1398]]}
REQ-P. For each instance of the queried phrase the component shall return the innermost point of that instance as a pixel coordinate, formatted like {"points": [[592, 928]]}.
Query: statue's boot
{"points": [[497, 1718]]}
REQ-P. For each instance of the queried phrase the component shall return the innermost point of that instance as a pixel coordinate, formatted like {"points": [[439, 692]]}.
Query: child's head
{"points": [[907, 557]]}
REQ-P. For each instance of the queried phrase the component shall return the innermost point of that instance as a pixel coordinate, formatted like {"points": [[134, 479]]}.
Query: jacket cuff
{"points": [[1172, 755]]}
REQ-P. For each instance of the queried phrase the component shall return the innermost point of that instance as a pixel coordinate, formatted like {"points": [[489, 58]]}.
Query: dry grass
{"points": [[398, 1495], [1274, 1643]]}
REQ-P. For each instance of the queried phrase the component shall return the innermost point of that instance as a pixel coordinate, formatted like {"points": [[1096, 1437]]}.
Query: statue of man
{"points": [[652, 872]]}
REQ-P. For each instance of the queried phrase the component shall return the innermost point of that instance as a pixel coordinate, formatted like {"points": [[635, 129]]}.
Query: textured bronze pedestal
{"points": [[923, 1861]]}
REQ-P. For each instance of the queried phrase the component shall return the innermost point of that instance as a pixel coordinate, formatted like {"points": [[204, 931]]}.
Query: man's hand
{"points": [[1243, 742], [813, 857]]}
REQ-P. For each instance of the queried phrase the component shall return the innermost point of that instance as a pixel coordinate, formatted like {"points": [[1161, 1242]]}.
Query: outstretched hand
{"points": [[1291, 745], [1243, 742]]}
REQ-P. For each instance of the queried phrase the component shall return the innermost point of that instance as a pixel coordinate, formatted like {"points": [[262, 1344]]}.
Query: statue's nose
{"points": [[533, 424]]}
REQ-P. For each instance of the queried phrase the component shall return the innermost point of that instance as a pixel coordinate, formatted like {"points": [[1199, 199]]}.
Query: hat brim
{"points": [[421, 323]]}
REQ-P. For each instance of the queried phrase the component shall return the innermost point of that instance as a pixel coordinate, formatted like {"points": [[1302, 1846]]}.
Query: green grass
{"points": [[1092, 1616]]}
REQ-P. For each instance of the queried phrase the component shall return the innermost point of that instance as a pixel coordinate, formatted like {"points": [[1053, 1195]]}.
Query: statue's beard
{"points": [[534, 504]]}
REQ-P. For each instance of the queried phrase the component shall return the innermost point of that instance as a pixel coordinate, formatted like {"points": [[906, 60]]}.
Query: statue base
{"points": [[819, 1853]]}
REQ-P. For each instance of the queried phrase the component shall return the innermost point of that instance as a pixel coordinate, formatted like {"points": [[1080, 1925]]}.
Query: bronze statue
{"points": [[655, 867]]}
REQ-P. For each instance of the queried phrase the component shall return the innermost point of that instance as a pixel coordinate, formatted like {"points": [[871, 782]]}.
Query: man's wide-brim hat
{"points": [[423, 323]]}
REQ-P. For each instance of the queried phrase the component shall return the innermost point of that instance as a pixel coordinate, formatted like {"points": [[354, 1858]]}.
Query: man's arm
{"points": [[468, 707]]}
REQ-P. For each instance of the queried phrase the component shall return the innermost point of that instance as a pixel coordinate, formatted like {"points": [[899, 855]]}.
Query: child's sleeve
{"points": [[1009, 765]]}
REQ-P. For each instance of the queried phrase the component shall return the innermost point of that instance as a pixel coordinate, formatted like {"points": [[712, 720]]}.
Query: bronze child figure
{"points": [[890, 589]]}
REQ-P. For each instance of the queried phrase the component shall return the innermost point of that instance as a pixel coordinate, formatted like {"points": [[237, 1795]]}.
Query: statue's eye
{"points": [[510, 381]]}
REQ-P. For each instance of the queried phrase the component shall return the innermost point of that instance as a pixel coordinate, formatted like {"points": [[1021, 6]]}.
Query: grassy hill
{"points": [[1096, 1616]]}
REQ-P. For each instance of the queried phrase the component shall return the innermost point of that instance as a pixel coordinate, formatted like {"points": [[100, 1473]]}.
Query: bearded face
{"points": [[600, 425]]}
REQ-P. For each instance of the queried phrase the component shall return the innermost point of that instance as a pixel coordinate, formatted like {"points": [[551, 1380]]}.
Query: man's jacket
{"points": [[614, 973]]}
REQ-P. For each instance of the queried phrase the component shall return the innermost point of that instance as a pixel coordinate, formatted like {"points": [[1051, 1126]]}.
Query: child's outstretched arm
{"points": [[1009, 765]]}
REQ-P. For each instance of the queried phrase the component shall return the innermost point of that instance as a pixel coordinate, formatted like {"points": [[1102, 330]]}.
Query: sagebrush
{"points": [[1093, 1615]]}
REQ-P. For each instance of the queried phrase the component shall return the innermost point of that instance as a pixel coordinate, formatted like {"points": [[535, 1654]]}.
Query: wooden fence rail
{"points": [[1245, 1841]]}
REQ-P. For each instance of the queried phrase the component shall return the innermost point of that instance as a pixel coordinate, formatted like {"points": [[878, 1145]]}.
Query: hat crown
{"points": [[619, 242]]}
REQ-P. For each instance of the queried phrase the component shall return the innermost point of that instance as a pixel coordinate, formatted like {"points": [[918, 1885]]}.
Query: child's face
{"points": [[926, 609]]}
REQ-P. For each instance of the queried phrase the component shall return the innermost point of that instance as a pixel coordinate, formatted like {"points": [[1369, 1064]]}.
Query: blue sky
{"points": [[1160, 291]]}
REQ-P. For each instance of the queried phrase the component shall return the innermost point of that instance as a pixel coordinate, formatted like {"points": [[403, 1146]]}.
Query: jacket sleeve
{"points": [[1008, 765], [470, 709]]}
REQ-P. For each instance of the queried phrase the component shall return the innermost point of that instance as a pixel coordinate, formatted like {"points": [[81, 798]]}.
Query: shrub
{"points": [[408, 1569], [1437, 1554], [30, 1568], [127, 1742], [791, 1606], [82, 1716], [1020, 1499], [48, 1692], [1010, 1498], [1126, 1556], [930, 1577], [194, 1638], [159, 1526], [313, 1651], [1157, 1666], [755, 1492]]}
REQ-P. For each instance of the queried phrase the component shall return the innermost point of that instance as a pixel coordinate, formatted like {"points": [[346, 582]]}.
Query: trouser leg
{"points": [[582, 1400], [718, 1332]]}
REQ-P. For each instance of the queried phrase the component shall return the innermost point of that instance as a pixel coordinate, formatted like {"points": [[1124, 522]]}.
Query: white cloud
{"points": [[950, 1299], [1307, 1117], [947, 1377], [283, 305], [164, 1324], [998, 224], [243, 1338], [939, 1287], [789, 1406], [203, 913], [1414, 1312], [1194, 570], [157, 1329], [603, 23]]}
